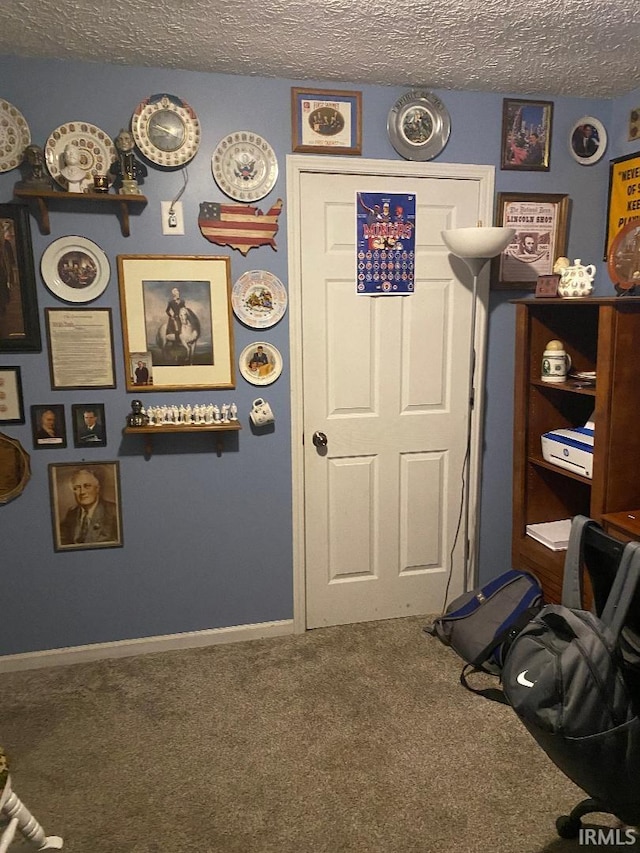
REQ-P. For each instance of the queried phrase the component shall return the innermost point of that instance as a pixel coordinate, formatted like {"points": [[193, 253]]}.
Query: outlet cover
{"points": [[178, 218]]}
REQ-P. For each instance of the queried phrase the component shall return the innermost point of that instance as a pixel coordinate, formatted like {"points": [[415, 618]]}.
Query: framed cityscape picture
{"points": [[526, 135]]}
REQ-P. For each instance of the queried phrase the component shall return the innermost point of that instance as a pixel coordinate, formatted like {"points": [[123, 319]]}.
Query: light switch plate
{"points": [[177, 218]]}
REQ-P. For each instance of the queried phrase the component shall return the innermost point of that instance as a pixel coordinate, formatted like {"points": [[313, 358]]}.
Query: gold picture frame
{"points": [[188, 337], [540, 221], [623, 200], [326, 122]]}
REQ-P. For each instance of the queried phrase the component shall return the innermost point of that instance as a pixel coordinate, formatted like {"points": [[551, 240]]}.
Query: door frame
{"points": [[297, 165]]}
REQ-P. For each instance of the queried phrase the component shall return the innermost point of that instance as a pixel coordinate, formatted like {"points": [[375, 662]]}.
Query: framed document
{"points": [[80, 347]]}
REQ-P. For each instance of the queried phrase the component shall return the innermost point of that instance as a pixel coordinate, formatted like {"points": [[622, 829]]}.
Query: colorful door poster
{"points": [[385, 243]]}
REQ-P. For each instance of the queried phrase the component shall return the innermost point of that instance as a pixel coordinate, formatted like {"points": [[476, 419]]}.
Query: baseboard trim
{"points": [[144, 645]]}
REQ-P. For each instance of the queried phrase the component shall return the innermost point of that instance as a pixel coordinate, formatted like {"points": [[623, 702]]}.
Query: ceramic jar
{"points": [[576, 281]]}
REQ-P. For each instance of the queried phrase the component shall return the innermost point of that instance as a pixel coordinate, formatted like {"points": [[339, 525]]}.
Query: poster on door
{"points": [[385, 243]]}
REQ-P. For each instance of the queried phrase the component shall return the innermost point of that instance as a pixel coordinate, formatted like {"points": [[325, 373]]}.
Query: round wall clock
{"points": [[166, 130], [244, 166], [418, 125], [14, 136], [587, 140]]}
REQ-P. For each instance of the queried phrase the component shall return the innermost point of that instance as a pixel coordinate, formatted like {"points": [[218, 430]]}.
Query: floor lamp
{"points": [[475, 246]]}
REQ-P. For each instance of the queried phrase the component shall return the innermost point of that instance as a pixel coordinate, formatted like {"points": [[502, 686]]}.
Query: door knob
{"points": [[319, 439]]}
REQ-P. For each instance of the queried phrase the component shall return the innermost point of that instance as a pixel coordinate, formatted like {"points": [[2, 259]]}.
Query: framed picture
{"points": [[11, 405], [326, 122], [587, 140], [623, 205], [176, 311], [140, 369], [526, 135], [540, 222], [80, 347], [48, 426], [89, 425], [85, 505], [19, 322]]}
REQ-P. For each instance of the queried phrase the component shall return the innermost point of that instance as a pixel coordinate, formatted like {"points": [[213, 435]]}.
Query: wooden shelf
{"points": [[573, 386], [174, 429], [43, 199]]}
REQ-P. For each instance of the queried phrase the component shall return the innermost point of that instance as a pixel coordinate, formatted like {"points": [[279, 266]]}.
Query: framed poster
{"points": [[85, 505], [623, 205], [540, 222], [80, 347], [176, 318], [326, 122], [48, 426], [19, 322], [526, 135], [11, 405], [89, 425]]}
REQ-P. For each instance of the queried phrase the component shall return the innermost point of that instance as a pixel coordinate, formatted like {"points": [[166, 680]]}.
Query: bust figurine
{"points": [[72, 170], [35, 171], [127, 171], [136, 417]]}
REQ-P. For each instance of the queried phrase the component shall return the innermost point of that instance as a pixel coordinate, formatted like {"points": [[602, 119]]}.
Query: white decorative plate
{"points": [[259, 299], [75, 269], [587, 140], [244, 166], [14, 136], [260, 363], [97, 151]]}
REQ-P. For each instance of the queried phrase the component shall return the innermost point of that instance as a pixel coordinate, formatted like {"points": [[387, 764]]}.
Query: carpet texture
{"points": [[357, 738]]}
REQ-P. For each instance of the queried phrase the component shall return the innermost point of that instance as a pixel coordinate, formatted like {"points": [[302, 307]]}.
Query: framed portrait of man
{"points": [[89, 425], [48, 426]]}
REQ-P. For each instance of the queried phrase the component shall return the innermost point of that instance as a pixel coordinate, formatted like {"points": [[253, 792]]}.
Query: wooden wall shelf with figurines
{"points": [[43, 199]]}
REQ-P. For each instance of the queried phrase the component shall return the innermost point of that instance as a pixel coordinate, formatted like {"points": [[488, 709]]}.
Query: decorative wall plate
{"points": [[259, 299], [97, 151], [241, 226], [14, 136], [166, 130], [244, 166], [260, 363], [75, 269], [623, 262], [587, 140], [418, 125]]}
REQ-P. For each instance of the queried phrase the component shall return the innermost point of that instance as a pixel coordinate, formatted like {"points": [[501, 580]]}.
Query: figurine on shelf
{"points": [[233, 412], [35, 170], [137, 417], [127, 171], [72, 170]]}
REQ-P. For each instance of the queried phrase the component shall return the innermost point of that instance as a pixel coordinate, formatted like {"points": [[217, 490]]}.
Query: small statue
{"points": [[137, 417], [35, 171], [127, 171], [233, 412], [72, 170]]}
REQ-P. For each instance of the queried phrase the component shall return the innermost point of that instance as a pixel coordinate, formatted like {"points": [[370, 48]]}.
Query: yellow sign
{"points": [[624, 195]]}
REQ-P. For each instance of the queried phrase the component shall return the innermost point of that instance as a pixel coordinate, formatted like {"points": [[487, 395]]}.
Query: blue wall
{"points": [[207, 538]]}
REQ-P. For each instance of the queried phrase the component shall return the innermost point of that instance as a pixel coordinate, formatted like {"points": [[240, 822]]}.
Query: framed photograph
{"points": [[176, 312], [19, 321], [526, 135], [89, 425], [140, 369], [48, 426], [11, 405], [623, 205], [326, 122], [587, 140], [540, 222], [80, 347], [85, 505]]}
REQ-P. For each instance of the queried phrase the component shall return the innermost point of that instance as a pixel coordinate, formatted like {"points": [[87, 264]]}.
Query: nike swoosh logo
{"points": [[522, 679]]}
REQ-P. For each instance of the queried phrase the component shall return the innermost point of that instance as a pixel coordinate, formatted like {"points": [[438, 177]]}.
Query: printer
{"points": [[571, 448]]}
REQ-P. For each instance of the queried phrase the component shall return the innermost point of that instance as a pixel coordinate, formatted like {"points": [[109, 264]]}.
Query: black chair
{"points": [[602, 555]]}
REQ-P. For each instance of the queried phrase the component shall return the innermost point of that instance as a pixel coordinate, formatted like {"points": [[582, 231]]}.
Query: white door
{"points": [[386, 380]]}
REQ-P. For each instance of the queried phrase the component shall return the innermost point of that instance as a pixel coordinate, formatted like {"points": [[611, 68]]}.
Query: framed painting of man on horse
{"points": [[176, 310]]}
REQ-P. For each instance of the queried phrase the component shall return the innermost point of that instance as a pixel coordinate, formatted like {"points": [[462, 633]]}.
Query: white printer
{"points": [[570, 448]]}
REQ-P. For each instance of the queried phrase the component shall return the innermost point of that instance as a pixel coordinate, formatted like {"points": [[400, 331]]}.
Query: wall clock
{"points": [[418, 125], [166, 130], [244, 166]]}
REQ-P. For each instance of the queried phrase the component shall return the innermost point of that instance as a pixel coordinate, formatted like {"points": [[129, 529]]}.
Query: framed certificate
{"points": [[80, 347]]}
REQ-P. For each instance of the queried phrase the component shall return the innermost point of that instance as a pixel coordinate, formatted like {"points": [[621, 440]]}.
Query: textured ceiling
{"points": [[546, 47]]}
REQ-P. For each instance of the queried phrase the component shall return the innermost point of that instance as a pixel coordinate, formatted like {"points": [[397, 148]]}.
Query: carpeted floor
{"points": [[356, 738]]}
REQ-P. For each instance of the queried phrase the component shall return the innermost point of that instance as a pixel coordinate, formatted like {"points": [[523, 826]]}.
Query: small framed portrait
{"points": [[85, 505], [89, 425], [48, 426], [526, 135], [140, 369], [11, 404], [326, 122], [587, 140]]}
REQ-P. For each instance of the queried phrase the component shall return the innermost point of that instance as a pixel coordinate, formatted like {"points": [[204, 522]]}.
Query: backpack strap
{"points": [[492, 693], [623, 588], [573, 562]]}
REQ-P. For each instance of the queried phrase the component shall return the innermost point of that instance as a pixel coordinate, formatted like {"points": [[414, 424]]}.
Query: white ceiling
{"points": [[542, 47]]}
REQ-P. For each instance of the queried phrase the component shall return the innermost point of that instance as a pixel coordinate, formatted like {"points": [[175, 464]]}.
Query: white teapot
{"points": [[576, 280]]}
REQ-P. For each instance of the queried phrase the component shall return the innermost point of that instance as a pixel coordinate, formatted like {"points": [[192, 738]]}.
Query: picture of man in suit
{"points": [[92, 430], [92, 519]]}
